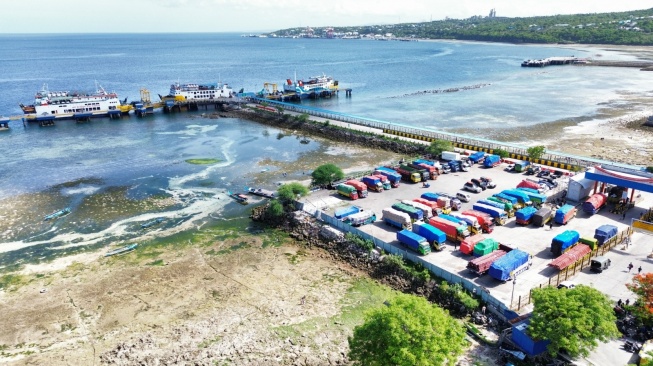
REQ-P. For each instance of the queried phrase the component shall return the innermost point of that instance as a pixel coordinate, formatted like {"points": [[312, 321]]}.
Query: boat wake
{"points": [[440, 91]]}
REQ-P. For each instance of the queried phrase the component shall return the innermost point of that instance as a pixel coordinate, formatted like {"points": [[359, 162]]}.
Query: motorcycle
{"points": [[631, 347]]}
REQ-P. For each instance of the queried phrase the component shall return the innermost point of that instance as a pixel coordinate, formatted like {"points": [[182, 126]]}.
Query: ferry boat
{"points": [[50, 105], [198, 92], [313, 87]]}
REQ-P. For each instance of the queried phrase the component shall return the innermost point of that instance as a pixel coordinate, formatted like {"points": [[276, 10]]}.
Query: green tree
{"points": [[327, 173], [438, 146], [289, 192], [536, 152], [642, 286], [274, 209], [573, 320], [502, 153], [408, 331]]}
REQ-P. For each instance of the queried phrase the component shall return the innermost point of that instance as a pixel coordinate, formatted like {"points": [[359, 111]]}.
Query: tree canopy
{"points": [[407, 331], [327, 173], [536, 152], [574, 320], [289, 192], [502, 153], [438, 146], [642, 286]]}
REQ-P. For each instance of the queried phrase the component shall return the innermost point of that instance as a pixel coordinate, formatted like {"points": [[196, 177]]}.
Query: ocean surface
{"points": [[117, 174]]}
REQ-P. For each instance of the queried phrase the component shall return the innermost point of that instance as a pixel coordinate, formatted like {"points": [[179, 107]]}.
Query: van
{"points": [[599, 263], [465, 197]]}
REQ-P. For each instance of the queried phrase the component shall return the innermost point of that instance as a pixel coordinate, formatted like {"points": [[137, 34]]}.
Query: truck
{"points": [[499, 215], [594, 203], [398, 219], [431, 169], [510, 265], [537, 198], [456, 233], [498, 203], [515, 202], [360, 218], [525, 215], [521, 196], [491, 161], [384, 180], [521, 165], [391, 175], [361, 188], [453, 165], [467, 245], [427, 211], [435, 209], [450, 155], [431, 173], [453, 201], [434, 236], [542, 216], [471, 221], [435, 164], [408, 175], [486, 221], [564, 241], [453, 219], [486, 246], [424, 174], [481, 265], [564, 214], [347, 191], [346, 211], [373, 183], [604, 233], [443, 202], [414, 242], [414, 213], [477, 157]]}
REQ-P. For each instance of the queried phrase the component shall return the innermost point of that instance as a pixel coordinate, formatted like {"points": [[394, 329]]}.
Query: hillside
{"points": [[623, 28]]}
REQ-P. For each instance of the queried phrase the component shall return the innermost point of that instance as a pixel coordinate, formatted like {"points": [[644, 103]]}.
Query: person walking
{"points": [[551, 225], [630, 267], [639, 270], [624, 216]]}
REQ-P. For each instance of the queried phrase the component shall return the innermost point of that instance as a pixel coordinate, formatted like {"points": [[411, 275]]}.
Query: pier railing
{"points": [[552, 158]]}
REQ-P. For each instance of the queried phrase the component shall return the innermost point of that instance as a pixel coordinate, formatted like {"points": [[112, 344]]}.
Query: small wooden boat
{"points": [[261, 192], [241, 198], [122, 250], [156, 221], [58, 214]]}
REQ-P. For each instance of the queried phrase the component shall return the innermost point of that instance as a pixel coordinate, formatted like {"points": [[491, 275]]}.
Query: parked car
{"points": [[543, 173], [469, 186], [510, 168], [446, 169], [550, 183], [533, 169], [488, 182], [558, 173], [479, 183], [567, 284], [463, 196]]}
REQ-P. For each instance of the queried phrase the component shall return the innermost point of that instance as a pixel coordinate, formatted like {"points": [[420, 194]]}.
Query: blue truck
{"points": [[563, 242], [521, 196], [392, 175], [491, 161], [525, 215], [604, 233], [477, 157], [414, 242], [510, 265], [414, 213], [499, 215], [433, 235], [346, 211]]}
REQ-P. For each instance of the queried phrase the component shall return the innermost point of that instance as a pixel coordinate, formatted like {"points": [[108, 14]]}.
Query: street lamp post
{"points": [[514, 282]]}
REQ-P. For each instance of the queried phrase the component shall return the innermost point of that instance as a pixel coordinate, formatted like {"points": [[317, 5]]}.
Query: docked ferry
{"points": [[51, 105], [313, 87], [198, 92]]}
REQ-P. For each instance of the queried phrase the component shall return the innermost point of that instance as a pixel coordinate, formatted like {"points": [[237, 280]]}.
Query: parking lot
{"points": [[535, 241]]}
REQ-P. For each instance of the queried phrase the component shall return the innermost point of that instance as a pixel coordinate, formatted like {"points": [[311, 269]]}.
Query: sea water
{"points": [[117, 174]]}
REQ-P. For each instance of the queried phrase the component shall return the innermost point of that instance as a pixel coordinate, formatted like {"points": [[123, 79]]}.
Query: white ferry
{"points": [[198, 92], [313, 87], [50, 105]]}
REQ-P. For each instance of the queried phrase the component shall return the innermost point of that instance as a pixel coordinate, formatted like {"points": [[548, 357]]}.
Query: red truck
{"points": [[455, 232], [485, 220], [433, 171], [467, 245], [482, 264], [360, 187], [433, 205]]}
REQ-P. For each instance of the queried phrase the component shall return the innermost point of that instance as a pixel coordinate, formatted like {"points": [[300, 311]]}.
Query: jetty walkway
{"points": [[426, 135]]}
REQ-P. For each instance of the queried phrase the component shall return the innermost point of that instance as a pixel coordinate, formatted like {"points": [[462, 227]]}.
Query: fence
{"points": [[579, 265]]}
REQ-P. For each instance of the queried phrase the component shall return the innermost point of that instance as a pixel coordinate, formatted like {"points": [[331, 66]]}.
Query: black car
{"points": [[557, 174], [533, 169], [549, 183], [543, 173], [479, 183]]}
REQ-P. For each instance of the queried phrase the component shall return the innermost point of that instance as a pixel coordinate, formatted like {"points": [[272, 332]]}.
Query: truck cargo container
{"points": [[456, 233], [433, 235], [443, 202], [564, 214], [427, 211], [467, 245], [414, 213], [542, 216], [435, 164], [435, 172], [537, 198], [424, 174], [564, 241], [508, 206], [414, 242], [604, 233], [347, 191], [481, 265], [477, 157], [486, 221], [435, 209], [341, 213], [391, 175], [590, 242], [486, 246], [360, 218], [373, 183], [525, 215], [471, 221], [491, 161], [521, 196], [398, 219], [408, 175], [454, 201], [427, 171], [521, 165], [594, 203], [497, 214], [384, 180], [570, 257], [361, 188], [450, 155], [515, 202], [499, 203], [510, 265]]}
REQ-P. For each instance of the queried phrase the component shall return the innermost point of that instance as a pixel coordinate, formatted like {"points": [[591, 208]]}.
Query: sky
{"points": [[181, 16]]}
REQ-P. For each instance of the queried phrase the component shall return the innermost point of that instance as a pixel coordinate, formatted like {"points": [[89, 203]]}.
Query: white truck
{"points": [[426, 210], [450, 155], [400, 220], [360, 218]]}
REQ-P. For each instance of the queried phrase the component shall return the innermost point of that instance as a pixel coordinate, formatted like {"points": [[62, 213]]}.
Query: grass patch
{"points": [[11, 282], [209, 342], [158, 262], [204, 161]]}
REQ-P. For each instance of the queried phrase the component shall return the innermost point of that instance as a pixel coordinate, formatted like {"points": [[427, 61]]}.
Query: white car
{"points": [[567, 284], [469, 186], [510, 168]]}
